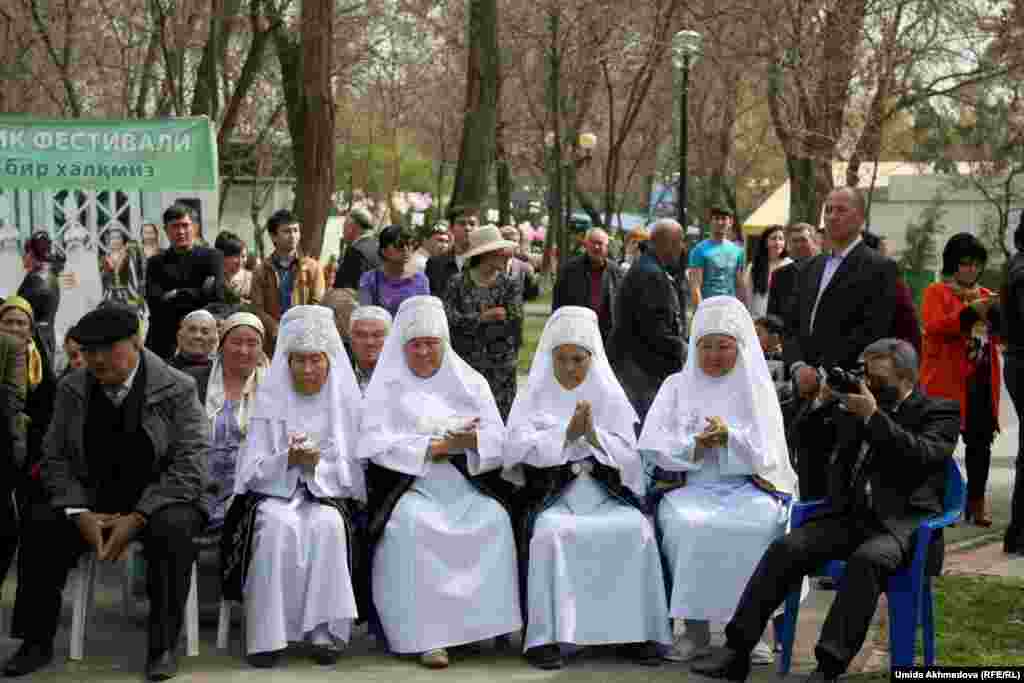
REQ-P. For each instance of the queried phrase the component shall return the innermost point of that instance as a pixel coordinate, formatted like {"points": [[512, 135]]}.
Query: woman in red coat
{"points": [[960, 361]]}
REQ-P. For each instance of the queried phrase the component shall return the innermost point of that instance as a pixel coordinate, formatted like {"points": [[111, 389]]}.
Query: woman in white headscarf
{"points": [[287, 548], [594, 574], [444, 561], [719, 421], [227, 390], [197, 342]]}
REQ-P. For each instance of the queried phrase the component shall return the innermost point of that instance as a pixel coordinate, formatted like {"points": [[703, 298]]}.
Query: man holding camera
{"points": [[844, 301], [886, 474]]}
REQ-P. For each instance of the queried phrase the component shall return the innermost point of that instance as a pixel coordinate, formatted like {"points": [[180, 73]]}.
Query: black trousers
{"points": [[979, 431], [51, 545], [872, 554], [1014, 540]]}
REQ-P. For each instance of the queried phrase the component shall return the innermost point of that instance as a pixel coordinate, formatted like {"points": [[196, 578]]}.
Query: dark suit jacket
{"points": [[783, 291], [40, 289], [439, 270], [902, 455], [856, 309], [189, 274], [649, 329], [360, 257], [572, 288]]}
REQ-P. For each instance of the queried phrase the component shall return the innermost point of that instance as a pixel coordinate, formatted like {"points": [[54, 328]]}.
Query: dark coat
{"points": [[1013, 308], [13, 383], [196, 276], [360, 257], [782, 293], [650, 329], [40, 289], [904, 461], [572, 288], [439, 270], [856, 309], [172, 419]]}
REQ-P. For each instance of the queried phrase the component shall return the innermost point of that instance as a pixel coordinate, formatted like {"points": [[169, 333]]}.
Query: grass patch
{"points": [[979, 621], [537, 313]]}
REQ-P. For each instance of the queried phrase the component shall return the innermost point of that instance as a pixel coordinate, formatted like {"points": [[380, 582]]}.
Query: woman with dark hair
{"points": [[769, 257], [40, 289], [394, 280], [959, 360], [237, 279], [1013, 330]]}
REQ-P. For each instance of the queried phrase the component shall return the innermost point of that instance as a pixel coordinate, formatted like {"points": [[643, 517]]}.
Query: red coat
{"points": [[945, 367]]}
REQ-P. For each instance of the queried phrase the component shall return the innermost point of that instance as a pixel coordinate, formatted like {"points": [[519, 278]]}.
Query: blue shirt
{"points": [[721, 262]]}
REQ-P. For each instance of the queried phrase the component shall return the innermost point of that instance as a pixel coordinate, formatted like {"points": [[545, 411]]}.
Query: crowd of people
{"points": [[360, 449]]}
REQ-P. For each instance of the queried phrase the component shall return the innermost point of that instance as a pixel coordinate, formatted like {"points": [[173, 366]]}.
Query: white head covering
{"points": [[242, 319], [399, 402], [545, 399], [370, 313], [311, 329], [199, 314], [744, 398]]}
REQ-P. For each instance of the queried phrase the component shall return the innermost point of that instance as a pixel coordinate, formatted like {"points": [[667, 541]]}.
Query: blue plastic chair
{"points": [[909, 591]]}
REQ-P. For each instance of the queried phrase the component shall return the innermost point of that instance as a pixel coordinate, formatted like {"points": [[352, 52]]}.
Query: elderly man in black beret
{"points": [[122, 462]]}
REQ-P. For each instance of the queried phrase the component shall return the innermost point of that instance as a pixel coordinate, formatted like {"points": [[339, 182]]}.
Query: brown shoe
{"points": [[983, 513]]}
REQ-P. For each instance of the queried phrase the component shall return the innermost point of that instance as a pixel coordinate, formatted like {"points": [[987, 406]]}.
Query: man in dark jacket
{"points": [[147, 488], [886, 475], [361, 253], [440, 269], [649, 340], [179, 280], [590, 280], [801, 247]]}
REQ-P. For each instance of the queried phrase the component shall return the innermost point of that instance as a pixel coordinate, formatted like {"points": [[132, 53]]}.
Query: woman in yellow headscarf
{"points": [[18, 320]]}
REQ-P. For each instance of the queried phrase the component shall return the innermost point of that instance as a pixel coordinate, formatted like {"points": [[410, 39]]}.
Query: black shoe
{"points": [[502, 643], [29, 657], [325, 655], [162, 666], [644, 654], [724, 662], [263, 660], [819, 676], [546, 657]]}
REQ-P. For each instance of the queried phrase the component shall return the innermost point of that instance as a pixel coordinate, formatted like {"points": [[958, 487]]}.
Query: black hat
{"points": [[107, 325]]}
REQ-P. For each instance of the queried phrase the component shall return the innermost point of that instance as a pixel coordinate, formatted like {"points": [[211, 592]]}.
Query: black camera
{"points": [[846, 381]]}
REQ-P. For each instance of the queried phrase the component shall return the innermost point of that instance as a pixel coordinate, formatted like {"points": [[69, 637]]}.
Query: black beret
{"points": [[107, 325]]}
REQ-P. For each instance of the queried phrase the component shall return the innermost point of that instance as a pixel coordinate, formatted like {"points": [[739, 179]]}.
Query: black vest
{"points": [[119, 454]]}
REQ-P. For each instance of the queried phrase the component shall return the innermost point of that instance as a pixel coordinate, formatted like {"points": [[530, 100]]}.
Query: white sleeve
{"points": [[743, 454], [665, 441], [405, 453], [489, 453], [263, 462]]}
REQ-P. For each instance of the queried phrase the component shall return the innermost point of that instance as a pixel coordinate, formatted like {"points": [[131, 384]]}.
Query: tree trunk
{"points": [[476, 154], [503, 181]]}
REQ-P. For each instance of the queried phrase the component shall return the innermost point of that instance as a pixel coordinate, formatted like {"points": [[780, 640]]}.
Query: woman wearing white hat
{"points": [[484, 306]]}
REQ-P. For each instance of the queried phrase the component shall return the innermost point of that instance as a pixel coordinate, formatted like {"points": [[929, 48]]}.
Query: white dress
{"points": [[82, 262], [444, 571], [299, 579], [714, 531], [595, 574]]}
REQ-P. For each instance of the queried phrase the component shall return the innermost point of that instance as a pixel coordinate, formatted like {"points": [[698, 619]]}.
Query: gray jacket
{"points": [[172, 419]]}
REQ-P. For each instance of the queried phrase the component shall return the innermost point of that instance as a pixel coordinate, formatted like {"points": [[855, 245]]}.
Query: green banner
{"points": [[148, 155]]}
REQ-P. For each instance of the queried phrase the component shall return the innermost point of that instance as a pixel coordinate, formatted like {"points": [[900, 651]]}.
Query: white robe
{"points": [[299, 578], [84, 297], [715, 530], [444, 571], [595, 574]]}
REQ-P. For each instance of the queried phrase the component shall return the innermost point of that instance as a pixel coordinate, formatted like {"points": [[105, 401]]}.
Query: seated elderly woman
{"points": [[227, 391], [197, 342], [286, 547], [719, 421], [594, 574], [444, 562], [368, 328]]}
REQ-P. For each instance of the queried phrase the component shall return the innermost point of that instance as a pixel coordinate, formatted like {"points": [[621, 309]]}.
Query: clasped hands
{"points": [[716, 433], [302, 451], [582, 424], [455, 442], [109, 534]]}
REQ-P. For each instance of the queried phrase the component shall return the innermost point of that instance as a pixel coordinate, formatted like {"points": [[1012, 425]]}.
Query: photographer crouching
{"points": [[886, 474]]}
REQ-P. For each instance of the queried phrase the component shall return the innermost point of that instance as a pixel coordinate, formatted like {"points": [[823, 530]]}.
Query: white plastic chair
{"points": [[83, 588]]}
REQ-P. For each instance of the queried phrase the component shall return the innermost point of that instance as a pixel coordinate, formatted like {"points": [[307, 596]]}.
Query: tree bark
{"points": [[476, 154]]}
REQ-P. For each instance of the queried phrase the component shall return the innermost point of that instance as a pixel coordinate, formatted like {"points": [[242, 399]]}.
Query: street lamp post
{"points": [[685, 50]]}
